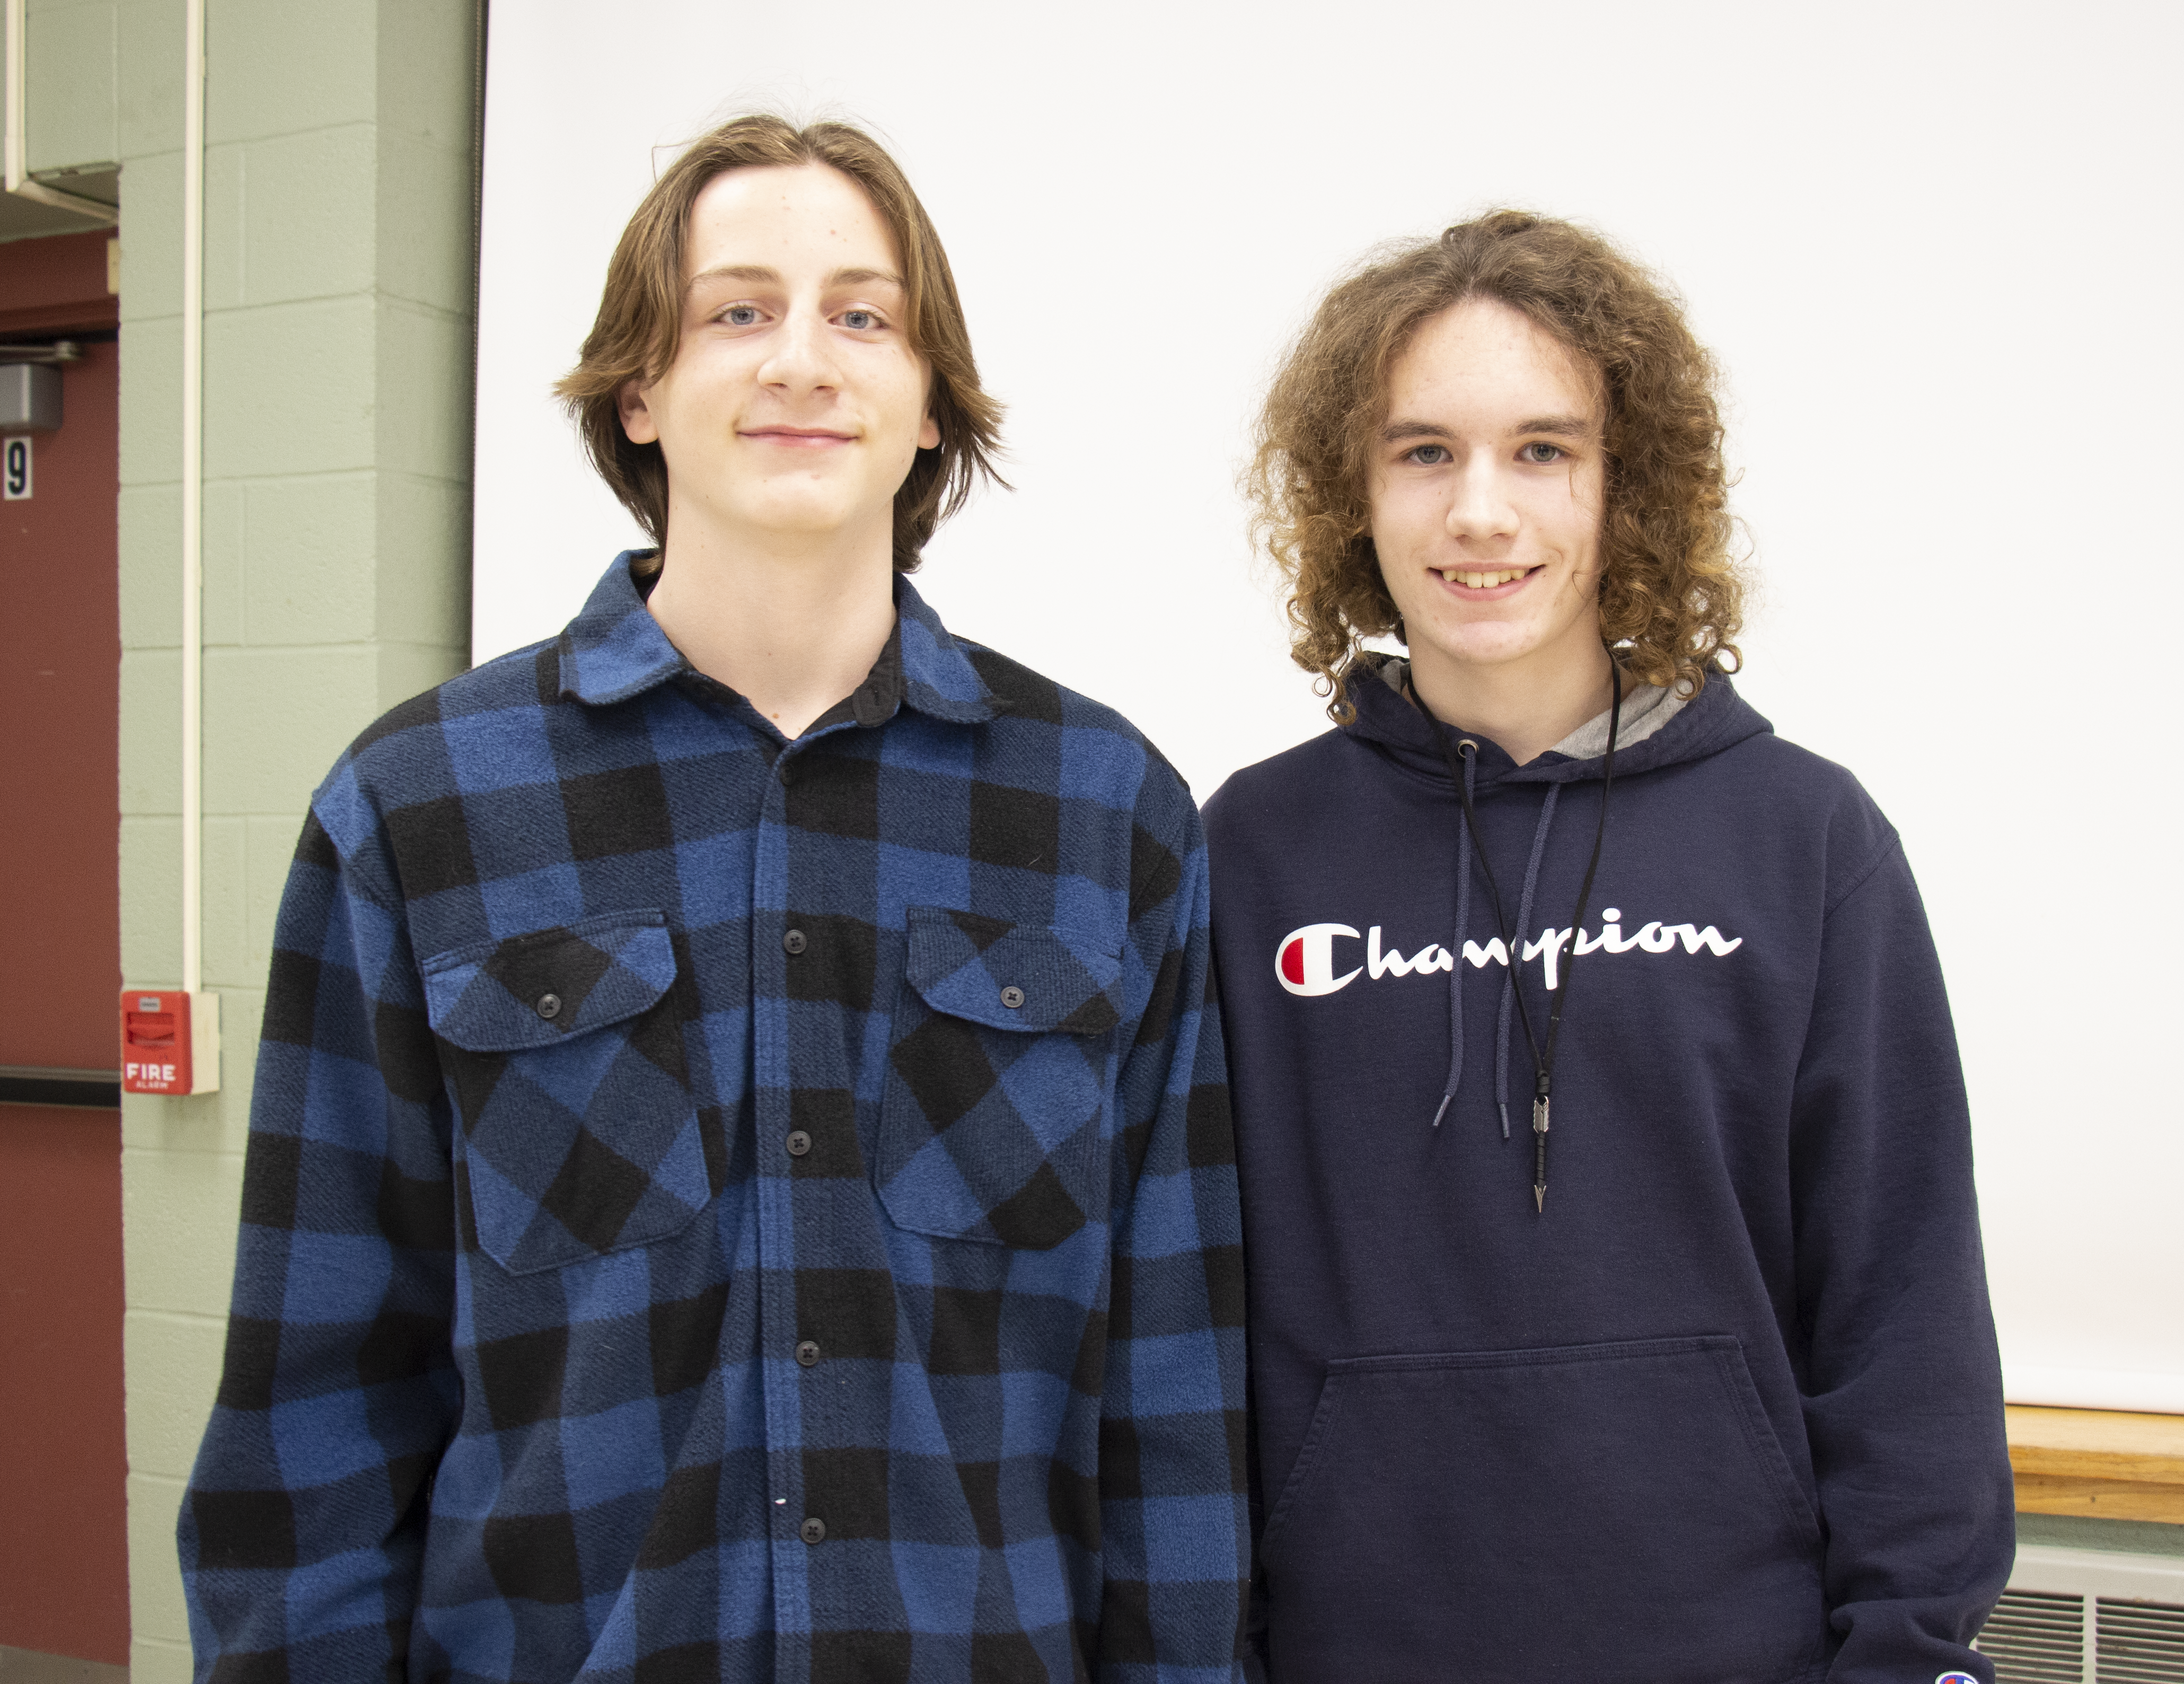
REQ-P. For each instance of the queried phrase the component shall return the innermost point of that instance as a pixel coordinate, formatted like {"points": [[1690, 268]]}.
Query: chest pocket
{"points": [[992, 1126], [565, 1050]]}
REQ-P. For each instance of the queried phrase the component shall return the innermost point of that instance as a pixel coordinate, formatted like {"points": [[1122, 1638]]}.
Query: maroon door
{"points": [[63, 1573]]}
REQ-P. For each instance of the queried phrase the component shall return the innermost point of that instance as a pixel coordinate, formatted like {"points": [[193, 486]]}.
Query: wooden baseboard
{"points": [[2100, 1464]]}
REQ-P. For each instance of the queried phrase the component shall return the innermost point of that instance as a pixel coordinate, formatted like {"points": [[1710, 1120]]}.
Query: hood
{"points": [[1715, 719]]}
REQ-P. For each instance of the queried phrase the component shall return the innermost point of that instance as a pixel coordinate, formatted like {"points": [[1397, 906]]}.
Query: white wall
{"points": [[1936, 246]]}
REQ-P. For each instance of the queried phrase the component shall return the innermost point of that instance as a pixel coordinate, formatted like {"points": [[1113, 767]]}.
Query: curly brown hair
{"points": [[1671, 594], [640, 325]]}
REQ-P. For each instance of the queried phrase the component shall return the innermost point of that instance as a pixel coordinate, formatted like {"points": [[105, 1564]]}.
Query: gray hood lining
{"points": [[1645, 709]]}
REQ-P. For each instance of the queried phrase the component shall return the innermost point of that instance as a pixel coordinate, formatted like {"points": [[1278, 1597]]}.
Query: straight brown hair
{"points": [[639, 328]]}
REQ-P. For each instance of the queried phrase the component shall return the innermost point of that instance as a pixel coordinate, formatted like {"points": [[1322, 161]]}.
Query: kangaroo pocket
{"points": [[993, 1119], [1619, 1513], [564, 1050]]}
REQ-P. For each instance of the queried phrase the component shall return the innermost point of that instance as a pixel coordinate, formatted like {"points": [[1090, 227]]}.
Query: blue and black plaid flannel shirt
{"points": [[723, 1208]]}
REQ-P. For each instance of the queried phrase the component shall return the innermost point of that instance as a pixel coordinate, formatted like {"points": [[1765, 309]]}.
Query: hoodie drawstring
{"points": [[1516, 953], [1464, 749], [1455, 964]]}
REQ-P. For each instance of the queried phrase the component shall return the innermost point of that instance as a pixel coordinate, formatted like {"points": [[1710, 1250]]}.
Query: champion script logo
{"points": [[1305, 962]]}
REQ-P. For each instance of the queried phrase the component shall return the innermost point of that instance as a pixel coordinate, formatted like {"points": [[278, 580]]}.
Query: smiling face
{"points": [[795, 404], [1486, 496]]}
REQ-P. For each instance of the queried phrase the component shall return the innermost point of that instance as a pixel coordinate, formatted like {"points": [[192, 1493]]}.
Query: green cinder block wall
{"points": [[338, 358]]}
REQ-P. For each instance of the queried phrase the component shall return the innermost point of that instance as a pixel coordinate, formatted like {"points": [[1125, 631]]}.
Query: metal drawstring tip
{"points": [[1505, 1122], [1438, 1115], [1540, 1199]]}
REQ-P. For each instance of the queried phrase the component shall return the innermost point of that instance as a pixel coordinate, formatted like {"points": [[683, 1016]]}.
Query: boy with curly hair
{"points": [[1644, 1337]]}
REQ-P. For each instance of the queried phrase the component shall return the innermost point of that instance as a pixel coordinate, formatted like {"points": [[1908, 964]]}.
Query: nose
{"points": [[1480, 508], [800, 359]]}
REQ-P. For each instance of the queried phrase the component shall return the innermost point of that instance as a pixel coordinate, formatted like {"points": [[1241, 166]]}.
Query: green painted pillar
{"points": [[339, 236]]}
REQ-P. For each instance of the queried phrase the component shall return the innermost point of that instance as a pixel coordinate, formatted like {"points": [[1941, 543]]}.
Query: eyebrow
{"points": [[760, 273], [1566, 426], [1570, 426]]}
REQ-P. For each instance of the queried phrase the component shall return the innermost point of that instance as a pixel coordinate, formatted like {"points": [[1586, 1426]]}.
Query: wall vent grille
{"points": [[2039, 1637], [2141, 1643], [2036, 1639]]}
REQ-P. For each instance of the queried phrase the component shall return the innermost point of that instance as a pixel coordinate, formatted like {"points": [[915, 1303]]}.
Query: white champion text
{"points": [[1305, 959]]}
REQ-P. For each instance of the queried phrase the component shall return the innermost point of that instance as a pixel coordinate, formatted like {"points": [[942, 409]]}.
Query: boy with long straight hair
{"points": [[1617, 1302], [740, 1183]]}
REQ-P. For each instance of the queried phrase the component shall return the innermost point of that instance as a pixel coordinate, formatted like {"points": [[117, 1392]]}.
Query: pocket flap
{"points": [[1010, 976], [539, 988]]}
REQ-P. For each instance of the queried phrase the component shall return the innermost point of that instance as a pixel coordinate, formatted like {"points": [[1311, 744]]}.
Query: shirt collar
{"points": [[615, 649]]}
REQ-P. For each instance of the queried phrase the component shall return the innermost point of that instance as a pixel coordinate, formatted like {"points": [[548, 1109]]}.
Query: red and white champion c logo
{"points": [[1304, 963]]}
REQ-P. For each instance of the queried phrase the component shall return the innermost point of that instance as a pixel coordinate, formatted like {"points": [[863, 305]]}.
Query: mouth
{"points": [[1484, 585], [798, 437]]}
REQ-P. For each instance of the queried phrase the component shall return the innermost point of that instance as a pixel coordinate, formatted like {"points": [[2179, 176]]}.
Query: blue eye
{"points": [[860, 320], [740, 315], [1430, 455], [1541, 454]]}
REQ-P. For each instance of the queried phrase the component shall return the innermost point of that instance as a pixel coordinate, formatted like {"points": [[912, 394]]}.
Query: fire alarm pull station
{"points": [[169, 1042]]}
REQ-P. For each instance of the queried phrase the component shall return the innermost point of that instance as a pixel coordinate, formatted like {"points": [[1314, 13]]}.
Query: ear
{"points": [[636, 414], [928, 434]]}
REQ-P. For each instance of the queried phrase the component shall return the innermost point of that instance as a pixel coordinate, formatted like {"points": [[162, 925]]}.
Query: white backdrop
{"points": [[1935, 246]]}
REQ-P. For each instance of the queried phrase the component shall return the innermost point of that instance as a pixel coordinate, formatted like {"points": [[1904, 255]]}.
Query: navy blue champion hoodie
{"points": [[1729, 1407]]}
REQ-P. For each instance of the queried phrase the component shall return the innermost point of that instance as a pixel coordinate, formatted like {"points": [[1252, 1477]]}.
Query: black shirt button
{"points": [[781, 773], [1012, 997], [799, 1143], [807, 1354], [549, 1007], [793, 941], [813, 1530]]}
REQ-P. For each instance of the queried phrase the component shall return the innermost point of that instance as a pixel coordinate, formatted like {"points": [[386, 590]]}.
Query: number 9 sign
{"points": [[15, 470]]}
